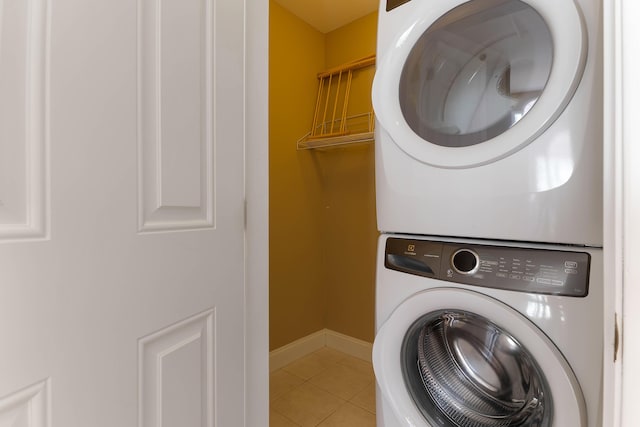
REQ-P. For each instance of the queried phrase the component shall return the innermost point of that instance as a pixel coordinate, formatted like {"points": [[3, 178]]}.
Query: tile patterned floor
{"points": [[327, 389]]}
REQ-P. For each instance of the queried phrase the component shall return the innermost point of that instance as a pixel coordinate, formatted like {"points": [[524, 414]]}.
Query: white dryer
{"points": [[490, 119], [485, 334]]}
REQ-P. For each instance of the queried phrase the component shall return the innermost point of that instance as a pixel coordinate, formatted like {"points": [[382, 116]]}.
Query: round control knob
{"points": [[465, 261]]}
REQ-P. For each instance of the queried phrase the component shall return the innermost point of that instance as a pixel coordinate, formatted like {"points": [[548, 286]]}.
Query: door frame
{"points": [[621, 212], [256, 331]]}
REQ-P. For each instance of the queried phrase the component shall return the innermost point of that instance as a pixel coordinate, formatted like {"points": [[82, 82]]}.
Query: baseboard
{"points": [[299, 348], [352, 346], [324, 338]]}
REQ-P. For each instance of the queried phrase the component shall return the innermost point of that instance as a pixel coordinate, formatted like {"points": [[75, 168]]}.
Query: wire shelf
{"points": [[331, 126], [357, 129]]}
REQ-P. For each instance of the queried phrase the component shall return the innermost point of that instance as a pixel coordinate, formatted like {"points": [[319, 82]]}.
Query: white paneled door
{"points": [[122, 213]]}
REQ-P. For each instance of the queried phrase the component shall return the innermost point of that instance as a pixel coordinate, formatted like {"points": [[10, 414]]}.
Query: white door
{"points": [[121, 213]]}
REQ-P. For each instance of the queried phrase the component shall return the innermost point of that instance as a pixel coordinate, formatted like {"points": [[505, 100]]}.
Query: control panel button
{"points": [[465, 261]]}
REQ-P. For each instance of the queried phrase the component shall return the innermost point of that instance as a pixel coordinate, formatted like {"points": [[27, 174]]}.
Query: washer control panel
{"points": [[555, 272], [392, 4]]}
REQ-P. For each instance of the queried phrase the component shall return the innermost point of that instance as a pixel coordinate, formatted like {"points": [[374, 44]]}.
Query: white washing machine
{"points": [[484, 334], [490, 119]]}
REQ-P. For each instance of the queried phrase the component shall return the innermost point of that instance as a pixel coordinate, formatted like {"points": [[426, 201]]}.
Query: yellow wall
{"points": [[349, 228], [354, 41], [322, 205], [297, 299]]}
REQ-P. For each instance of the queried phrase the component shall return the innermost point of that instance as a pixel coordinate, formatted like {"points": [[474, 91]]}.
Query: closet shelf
{"points": [[358, 129], [331, 126]]}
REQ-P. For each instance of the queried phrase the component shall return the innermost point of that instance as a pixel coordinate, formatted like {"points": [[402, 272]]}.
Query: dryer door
{"points": [[452, 357], [468, 85]]}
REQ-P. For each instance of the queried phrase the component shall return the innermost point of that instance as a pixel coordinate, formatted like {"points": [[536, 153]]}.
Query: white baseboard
{"points": [[299, 348], [352, 346], [324, 338]]}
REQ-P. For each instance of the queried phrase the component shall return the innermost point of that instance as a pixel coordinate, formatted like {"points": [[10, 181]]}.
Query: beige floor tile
{"points": [[330, 355], [341, 381], [359, 365], [306, 405], [281, 382], [349, 415], [278, 420], [366, 399], [310, 365]]}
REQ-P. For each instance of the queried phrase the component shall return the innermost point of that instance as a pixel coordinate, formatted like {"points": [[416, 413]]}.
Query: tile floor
{"points": [[327, 388]]}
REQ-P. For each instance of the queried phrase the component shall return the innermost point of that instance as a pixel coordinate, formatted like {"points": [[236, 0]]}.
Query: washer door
{"points": [[468, 85], [452, 357]]}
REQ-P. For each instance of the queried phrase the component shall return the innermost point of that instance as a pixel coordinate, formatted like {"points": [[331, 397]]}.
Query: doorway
{"points": [[323, 232]]}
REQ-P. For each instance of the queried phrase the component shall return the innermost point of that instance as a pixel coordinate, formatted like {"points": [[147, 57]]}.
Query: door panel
{"points": [[182, 357], [121, 221], [23, 195], [176, 137]]}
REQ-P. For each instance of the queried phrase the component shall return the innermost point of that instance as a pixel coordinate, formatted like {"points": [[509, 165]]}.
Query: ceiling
{"points": [[327, 15]]}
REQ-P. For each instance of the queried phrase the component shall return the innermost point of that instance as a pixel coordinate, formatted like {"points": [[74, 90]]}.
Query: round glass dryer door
{"points": [[476, 72], [468, 85]]}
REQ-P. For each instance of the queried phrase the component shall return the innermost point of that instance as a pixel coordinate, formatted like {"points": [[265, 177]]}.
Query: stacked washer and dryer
{"points": [[489, 281]]}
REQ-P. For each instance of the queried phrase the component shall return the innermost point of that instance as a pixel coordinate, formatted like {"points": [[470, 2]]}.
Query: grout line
{"points": [[336, 362], [333, 412], [287, 418]]}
